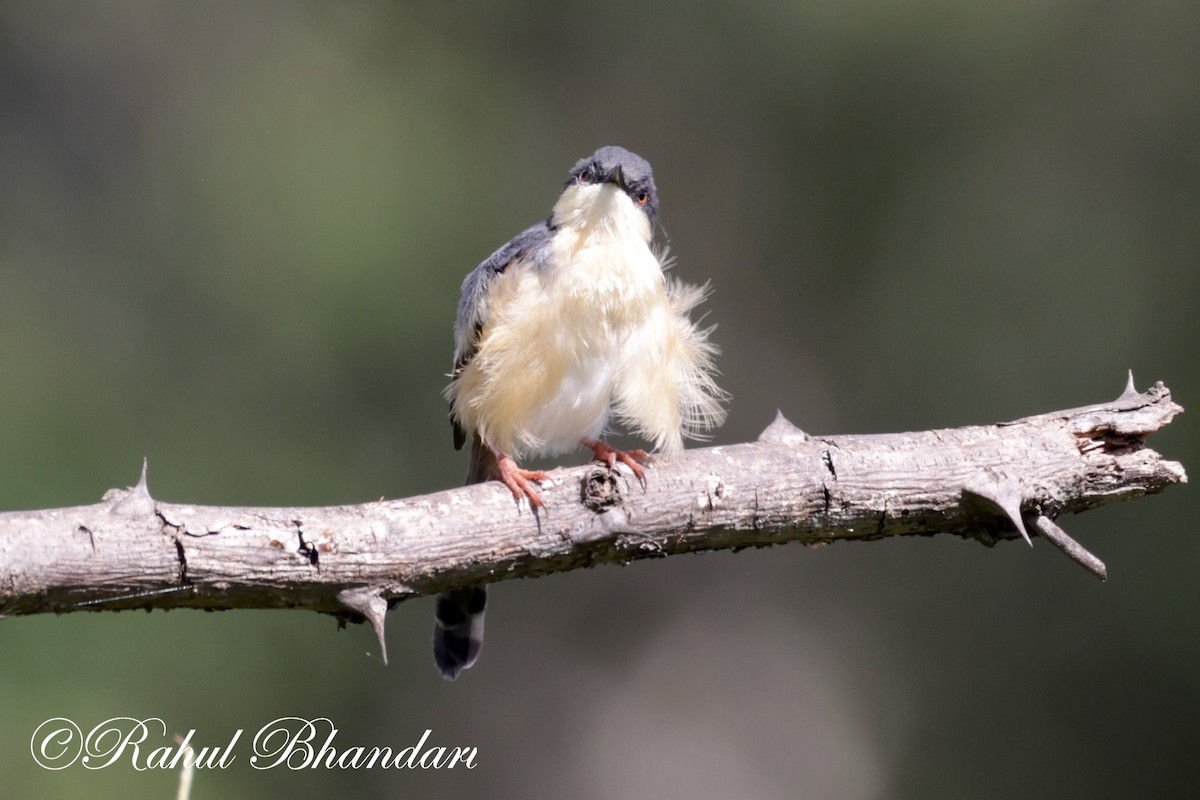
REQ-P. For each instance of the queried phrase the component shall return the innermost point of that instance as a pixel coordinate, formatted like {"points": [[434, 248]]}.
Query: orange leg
{"points": [[518, 480], [609, 455]]}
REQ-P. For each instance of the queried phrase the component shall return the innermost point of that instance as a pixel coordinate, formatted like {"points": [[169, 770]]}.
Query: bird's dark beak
{"points": [[617, 177]]}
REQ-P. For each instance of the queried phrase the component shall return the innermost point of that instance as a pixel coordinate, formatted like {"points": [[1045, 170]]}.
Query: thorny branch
{"points": [[987, 483]]}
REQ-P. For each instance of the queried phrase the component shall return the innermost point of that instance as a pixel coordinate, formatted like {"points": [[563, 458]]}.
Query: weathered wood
{"points": [[984, 482]]}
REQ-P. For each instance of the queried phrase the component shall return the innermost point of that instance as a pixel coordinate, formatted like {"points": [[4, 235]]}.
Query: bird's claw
{"points": [[634, 459], [519, 481]]}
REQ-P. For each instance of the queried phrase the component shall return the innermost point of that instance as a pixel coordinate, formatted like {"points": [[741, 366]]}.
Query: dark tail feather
{"points": [[458, 616], [458, 629]]}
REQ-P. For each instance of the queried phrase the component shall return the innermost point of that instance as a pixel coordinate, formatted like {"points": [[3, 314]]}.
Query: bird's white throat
{"points": [[600, 210]]}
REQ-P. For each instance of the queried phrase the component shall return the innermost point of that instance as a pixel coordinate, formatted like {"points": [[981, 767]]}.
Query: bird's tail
{"points": [[458, 615], [458, 629]]}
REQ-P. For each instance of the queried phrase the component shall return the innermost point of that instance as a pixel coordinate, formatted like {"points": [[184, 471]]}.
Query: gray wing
{"points": [[473, 305]]}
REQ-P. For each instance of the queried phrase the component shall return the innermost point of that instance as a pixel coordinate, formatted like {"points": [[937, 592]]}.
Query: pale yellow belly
{"points": [[549, 355]]}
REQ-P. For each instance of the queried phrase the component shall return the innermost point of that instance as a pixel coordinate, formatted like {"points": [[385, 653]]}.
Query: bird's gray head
{"points": [[609, 188]]}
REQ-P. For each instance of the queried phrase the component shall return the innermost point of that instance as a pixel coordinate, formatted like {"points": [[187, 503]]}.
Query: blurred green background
{"points": [[231, 240]]}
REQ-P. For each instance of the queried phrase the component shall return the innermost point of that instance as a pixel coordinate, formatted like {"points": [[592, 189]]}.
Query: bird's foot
{"points": [[634, 459], [519, 480]]}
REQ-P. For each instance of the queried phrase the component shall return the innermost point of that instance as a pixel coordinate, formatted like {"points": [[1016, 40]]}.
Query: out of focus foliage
{"points": [[231, 239]]}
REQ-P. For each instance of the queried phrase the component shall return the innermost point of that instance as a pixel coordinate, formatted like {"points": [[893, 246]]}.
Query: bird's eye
{"points": [[585, 175], [643, 198]]}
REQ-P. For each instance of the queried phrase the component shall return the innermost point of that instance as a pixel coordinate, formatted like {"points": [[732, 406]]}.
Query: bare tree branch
{"points": [[988, 482]]}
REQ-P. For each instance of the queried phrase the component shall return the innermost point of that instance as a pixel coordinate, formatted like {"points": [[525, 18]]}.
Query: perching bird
{"points": [[571, 322]]}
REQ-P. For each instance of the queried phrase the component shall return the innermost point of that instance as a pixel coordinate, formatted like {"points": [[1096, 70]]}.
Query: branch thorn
{"points": [[1130, 391], [1004, 497], [370, 603], [134, 501], [781, 430], [1071, 548]]}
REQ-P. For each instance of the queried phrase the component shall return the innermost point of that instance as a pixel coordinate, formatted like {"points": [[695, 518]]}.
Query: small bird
{"points": [[571, 323]]}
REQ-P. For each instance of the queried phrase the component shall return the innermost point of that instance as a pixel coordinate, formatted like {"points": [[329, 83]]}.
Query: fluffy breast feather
{"points": [[589, 327]]}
